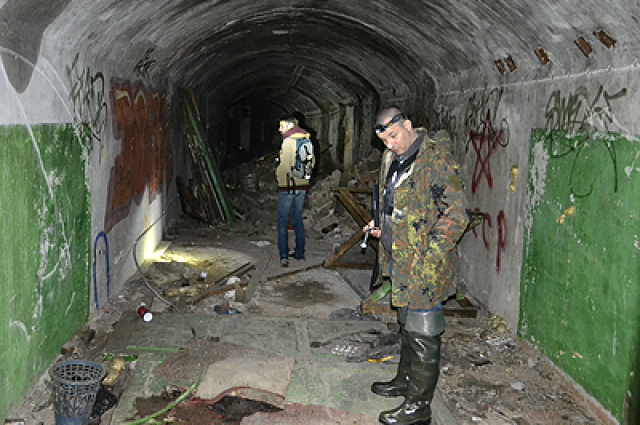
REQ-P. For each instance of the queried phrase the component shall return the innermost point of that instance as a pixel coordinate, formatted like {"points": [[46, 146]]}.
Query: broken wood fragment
{"points": [[216, 291]]}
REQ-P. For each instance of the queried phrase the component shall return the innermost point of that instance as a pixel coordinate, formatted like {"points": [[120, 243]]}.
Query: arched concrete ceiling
{"points": [[319, 52]]}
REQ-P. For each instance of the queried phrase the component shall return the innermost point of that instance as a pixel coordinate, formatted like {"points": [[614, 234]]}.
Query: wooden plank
{"points": [[361, 216], [292, 272], [210, 170], [218, 290], [215, 288], [349, 265], [344, 248]]}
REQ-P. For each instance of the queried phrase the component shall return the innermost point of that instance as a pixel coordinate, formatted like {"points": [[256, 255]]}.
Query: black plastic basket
{"points": [[74, 385]]}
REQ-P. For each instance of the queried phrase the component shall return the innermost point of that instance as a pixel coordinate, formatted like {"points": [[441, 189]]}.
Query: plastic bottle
{"points": [[144, 312]]}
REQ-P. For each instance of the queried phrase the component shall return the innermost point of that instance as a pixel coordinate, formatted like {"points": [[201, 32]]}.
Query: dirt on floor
{"points": [[488, 376], [494, 378]]}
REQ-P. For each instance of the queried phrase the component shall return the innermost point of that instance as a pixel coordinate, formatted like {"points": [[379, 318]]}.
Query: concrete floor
{"points": [[305, 313], [287, 317], [297, 342], [316, 378]]}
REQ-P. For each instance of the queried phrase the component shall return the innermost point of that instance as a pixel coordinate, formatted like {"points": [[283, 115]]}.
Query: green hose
{"points": [[179, 399], [169, 407]]}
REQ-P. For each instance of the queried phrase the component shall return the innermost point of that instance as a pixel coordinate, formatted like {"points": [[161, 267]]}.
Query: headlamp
{"points": [[381, 128]]}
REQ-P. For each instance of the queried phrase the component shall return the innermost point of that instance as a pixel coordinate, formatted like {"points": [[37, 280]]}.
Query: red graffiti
{"points": [[487, 226], [484, 143], [486, 221], [139, 120]]}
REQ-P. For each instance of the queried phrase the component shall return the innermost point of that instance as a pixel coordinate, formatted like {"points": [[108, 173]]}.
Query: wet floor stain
{"points": [[227, 411], [300, 293]]}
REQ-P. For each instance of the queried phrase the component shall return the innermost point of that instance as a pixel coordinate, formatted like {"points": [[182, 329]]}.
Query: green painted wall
{"points": [[580, 282], [45, 229]]}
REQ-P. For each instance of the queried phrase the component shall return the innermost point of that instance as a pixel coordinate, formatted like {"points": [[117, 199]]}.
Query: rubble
{"points": [[488, 376]]}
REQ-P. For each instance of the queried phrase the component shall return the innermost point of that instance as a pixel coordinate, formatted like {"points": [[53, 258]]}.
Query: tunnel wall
{"points": [[569, 287], [44, 266], [86, 168]]}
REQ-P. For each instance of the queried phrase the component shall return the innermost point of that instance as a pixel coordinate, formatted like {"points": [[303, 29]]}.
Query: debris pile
{"points": [[252, 189], [490, 376]]}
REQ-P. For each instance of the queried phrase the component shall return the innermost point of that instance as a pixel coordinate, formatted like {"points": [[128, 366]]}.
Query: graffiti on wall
{"points": [[488, 234], [484, 142], [576, 113], [483, 135], [145, 64], [580, 119], [478, 107], [140, 122], [87, 95]]}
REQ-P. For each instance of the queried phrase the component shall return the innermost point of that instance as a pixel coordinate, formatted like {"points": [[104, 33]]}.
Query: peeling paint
{"points": [[538, 177]]}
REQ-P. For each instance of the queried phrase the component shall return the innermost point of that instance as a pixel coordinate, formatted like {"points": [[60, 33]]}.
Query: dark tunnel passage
{"points": [[107, 105]]}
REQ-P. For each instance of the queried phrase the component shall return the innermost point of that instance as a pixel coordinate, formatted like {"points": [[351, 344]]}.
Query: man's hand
{"points": [[373, 231]]}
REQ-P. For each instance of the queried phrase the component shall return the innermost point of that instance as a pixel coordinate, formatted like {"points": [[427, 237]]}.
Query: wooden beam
{"points": [[349, 265], [361, 215], [344, 248]]}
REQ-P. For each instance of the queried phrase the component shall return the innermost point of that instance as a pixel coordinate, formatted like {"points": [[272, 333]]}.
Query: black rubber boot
{"points": [[397, 387], [424, 370]]}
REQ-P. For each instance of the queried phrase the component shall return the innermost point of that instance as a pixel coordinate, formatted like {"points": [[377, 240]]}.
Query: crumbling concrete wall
{"points": [[493, 129]]}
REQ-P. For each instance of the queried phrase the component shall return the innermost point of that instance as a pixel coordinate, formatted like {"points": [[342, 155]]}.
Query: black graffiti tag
{"points": [[87, 94], [583, 124]]}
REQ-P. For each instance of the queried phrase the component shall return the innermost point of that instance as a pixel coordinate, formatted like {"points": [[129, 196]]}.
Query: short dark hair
{"points": [[387, 113], [290, 119]]}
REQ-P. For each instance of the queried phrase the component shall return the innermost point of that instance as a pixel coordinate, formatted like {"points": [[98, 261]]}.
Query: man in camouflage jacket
{"points": [[423, 216]]}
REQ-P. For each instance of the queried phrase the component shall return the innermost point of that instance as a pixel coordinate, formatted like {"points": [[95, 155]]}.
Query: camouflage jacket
{"points": [[429, 217]]}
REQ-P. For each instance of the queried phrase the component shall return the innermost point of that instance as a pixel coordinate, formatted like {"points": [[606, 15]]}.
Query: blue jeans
{"points": [[290, 205]]}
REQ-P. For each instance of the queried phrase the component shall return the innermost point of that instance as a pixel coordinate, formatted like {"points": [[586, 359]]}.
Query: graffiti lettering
{"points": [[87, 94], [145, 64], [140, 122], [574, 114], [583, 122], [487, 225]]}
